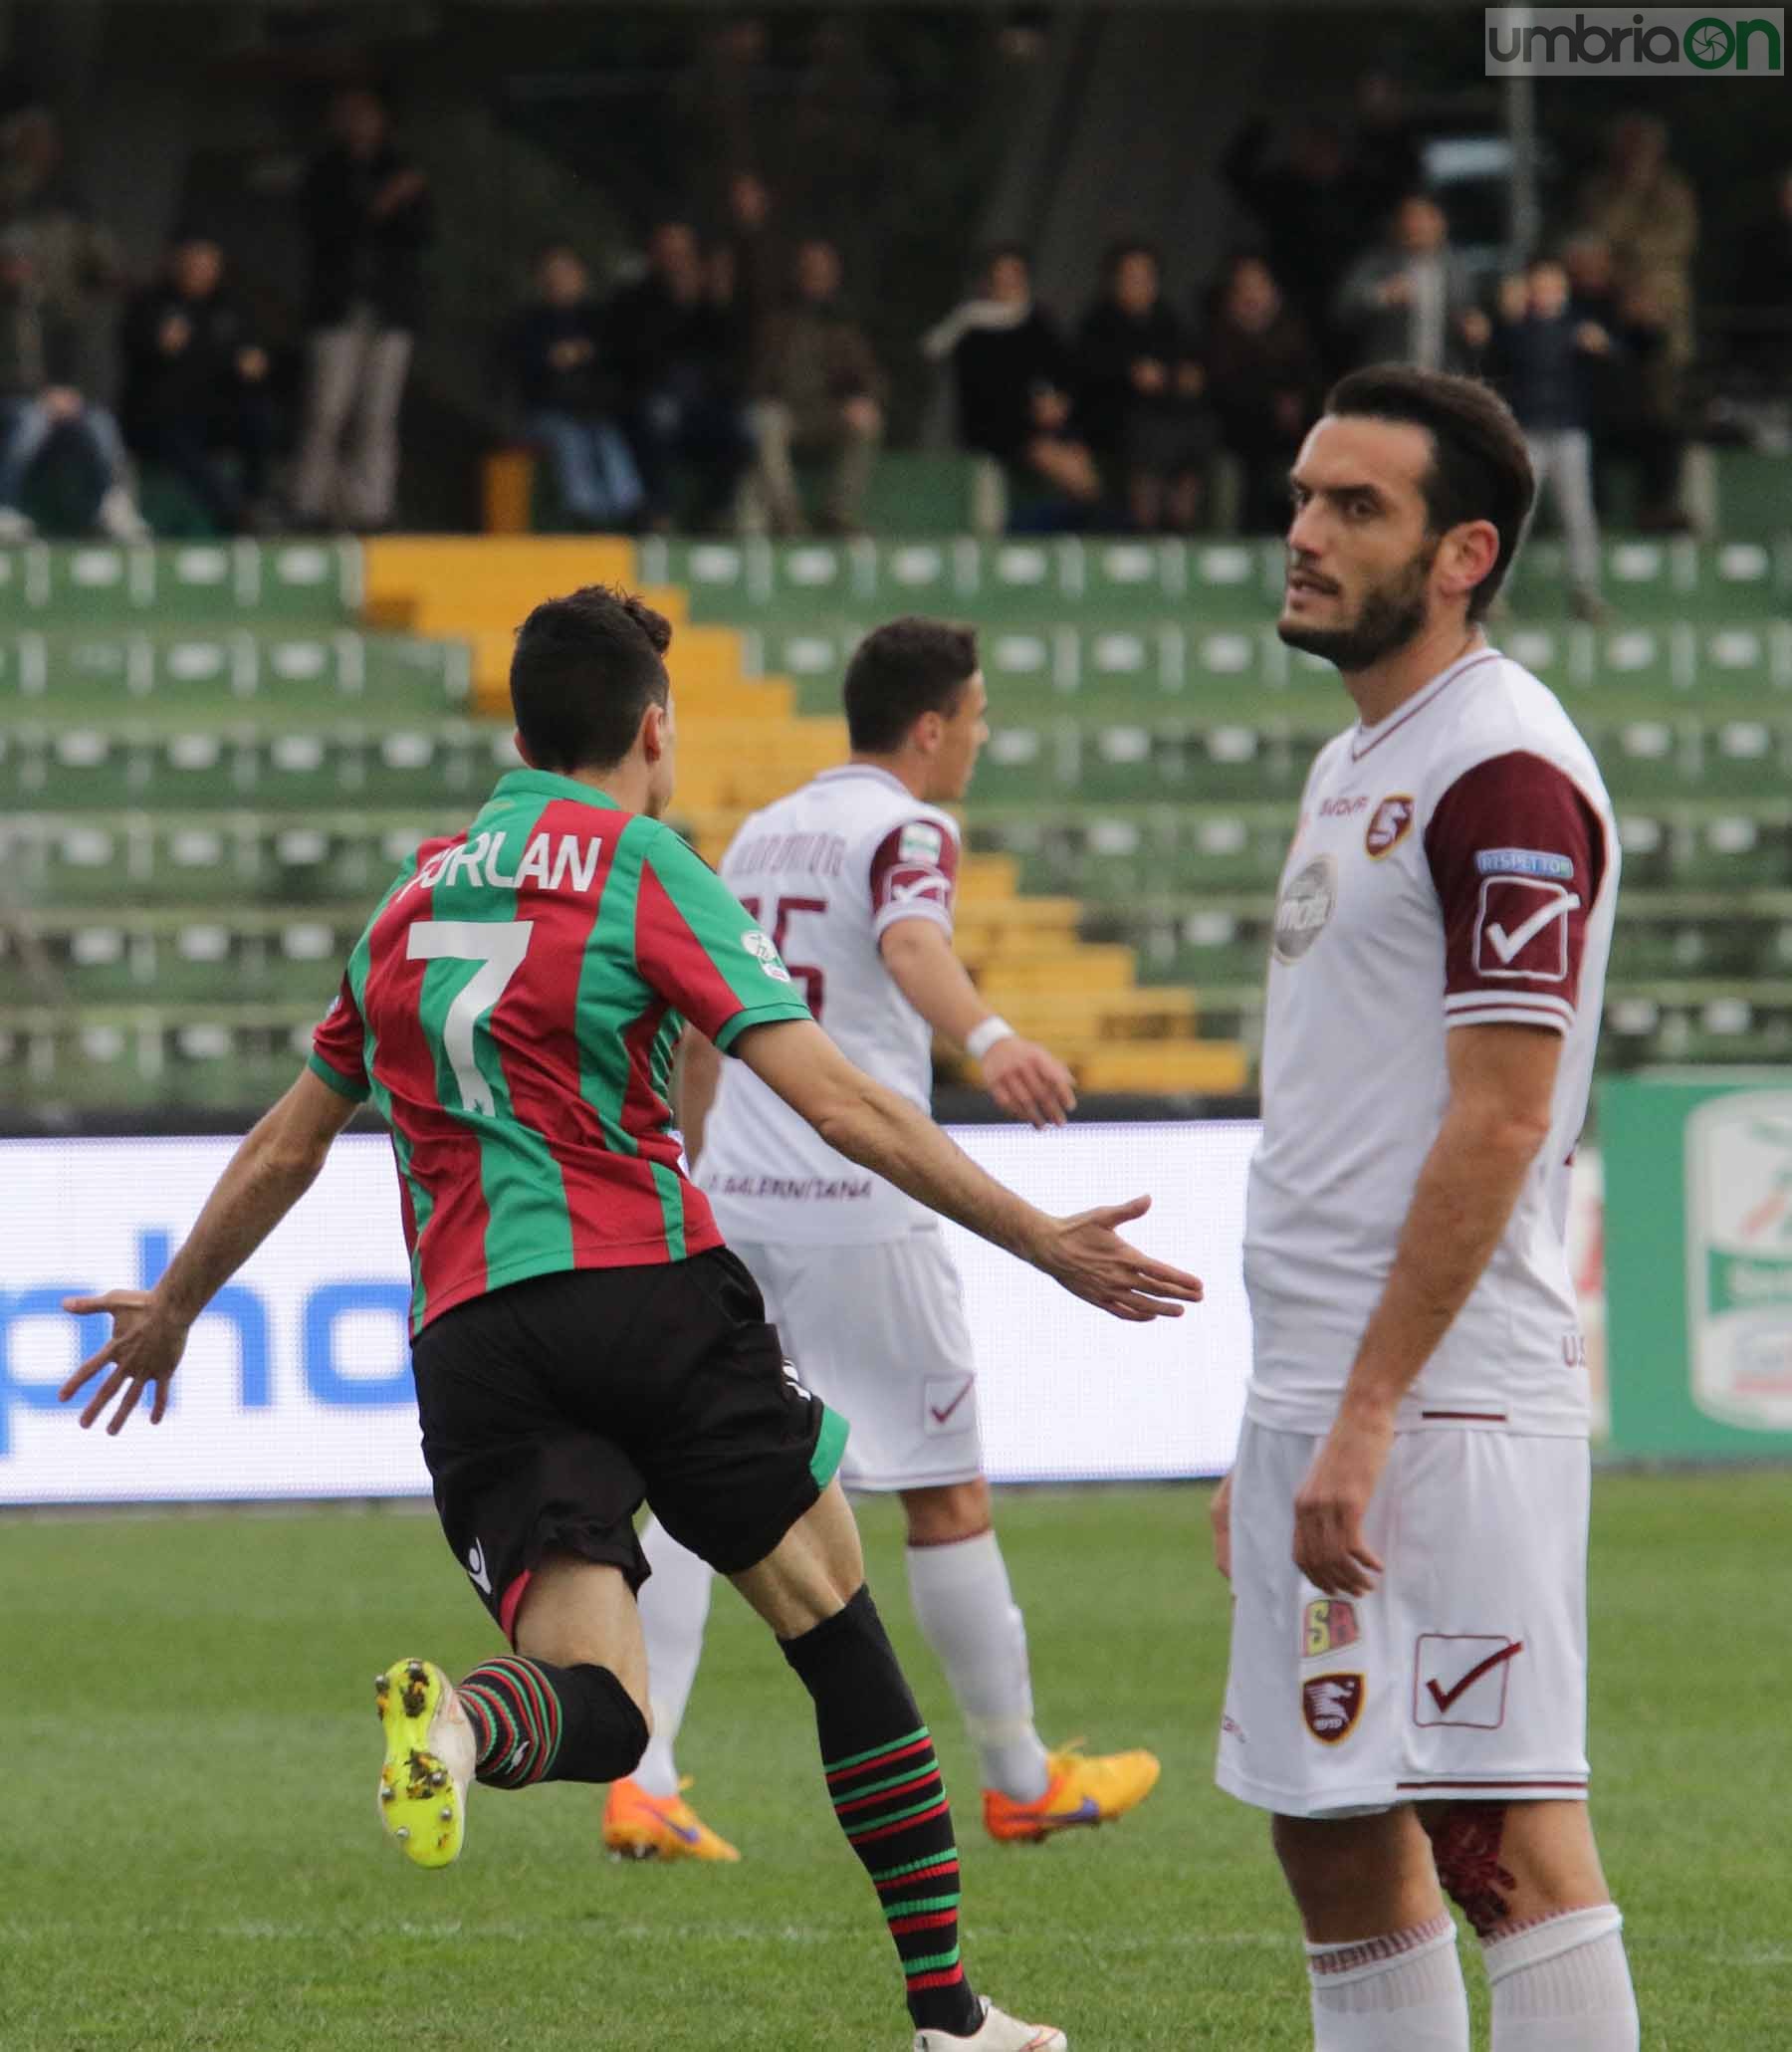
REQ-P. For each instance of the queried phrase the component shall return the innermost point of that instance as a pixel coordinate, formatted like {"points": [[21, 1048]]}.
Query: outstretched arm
{"points": [[882, 1131], [1027, 1080], [268, 1173]]}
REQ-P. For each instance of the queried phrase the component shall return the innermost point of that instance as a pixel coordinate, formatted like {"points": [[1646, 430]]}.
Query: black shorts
{"points": [[551, 1408]]}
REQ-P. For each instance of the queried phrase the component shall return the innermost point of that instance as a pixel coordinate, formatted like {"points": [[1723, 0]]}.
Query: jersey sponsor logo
{"points": [[1342, 808], [1521, 929], [920, 843], [1459, 1677], [1390, 824], [760, 947], [1525, 862], [1308, 901], [1329, 1624], [476, 1568], [947, 1410], [1331, 1706]]}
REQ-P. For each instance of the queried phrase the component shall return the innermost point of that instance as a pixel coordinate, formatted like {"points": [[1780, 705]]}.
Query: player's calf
{"points": [[532, 1721]]}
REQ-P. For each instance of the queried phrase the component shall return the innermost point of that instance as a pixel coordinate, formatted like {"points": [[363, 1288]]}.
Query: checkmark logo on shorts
{"points": [[1443, 1697], [940, 1416]]}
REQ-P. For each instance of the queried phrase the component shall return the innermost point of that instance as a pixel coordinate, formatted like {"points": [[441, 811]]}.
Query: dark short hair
{"points": [[584, 669], [1480, 468], [901, 670]]}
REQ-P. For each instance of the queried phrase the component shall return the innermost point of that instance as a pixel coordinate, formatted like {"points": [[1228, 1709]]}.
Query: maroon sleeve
{"points": [[1517, 855], [338, 1045], [914, 875]]}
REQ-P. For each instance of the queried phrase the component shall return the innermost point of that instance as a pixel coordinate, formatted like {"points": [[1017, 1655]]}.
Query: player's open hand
{"points": [[1030, 1083], [143, 1352], [1093, 1261], [1331, 1504]]}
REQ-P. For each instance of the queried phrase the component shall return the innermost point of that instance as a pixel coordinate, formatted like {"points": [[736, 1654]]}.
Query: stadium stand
{"points": [[212, 758]]}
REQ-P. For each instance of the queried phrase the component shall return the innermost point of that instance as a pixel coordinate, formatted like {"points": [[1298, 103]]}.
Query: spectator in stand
{"points": [[1383, 163], [757, 260], [1409, 301], [1142, 388], [554, 360], [1539, 355], [1308, 214], [196, 386], [1764, 288], [1013, 376], [1648, 214], [1266, 378], [44, 414], [78, 262], [368, 220], [818, 390], [1628, 423], [675, 342]]}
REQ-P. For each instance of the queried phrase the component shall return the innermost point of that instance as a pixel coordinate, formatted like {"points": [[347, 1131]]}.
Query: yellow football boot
{"points": [[429, 1762], [1084, 1789], [639, 1826]]}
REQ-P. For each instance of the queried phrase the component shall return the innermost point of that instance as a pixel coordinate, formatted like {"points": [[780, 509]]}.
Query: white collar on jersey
{"points": [[1363, 739], [866, 770]]}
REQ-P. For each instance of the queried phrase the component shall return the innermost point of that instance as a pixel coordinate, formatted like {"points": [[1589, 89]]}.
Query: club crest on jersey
{"points": [[1331, 1706], [1389, 824], [919, 844], [1331, 1623], [764, 951], [1308, 901]]}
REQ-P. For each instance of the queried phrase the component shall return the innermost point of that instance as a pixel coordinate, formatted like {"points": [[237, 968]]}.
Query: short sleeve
{"points": [[698, 946], [338, 1046], [1517, 853], [914, 874]]}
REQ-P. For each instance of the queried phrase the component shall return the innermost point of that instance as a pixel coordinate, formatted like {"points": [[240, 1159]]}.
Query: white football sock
{"points": [[674, 1603], [1398, 1993], [1562, 1984], [968, 1615]]}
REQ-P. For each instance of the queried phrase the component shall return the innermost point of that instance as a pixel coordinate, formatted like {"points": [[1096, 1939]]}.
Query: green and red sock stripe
{"points": [[516, 1715], [886, 1794]]}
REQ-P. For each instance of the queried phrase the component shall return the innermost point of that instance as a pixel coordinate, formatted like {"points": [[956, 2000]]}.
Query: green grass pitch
{"points": [[191, 1856]]}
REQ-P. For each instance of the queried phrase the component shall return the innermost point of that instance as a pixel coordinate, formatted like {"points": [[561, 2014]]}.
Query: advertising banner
{"points": [[1698, 1262], [296, 1380]]}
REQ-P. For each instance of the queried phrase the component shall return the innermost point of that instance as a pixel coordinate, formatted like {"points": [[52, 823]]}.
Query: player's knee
{"points": [[944, 1514], [1466, 1843]]}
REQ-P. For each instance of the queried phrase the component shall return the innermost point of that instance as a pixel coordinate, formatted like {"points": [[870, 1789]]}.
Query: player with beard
{"points": [[1406, 1524]]}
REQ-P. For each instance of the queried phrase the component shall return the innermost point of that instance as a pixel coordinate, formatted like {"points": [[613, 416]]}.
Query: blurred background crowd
{"points": [[730, 334]]}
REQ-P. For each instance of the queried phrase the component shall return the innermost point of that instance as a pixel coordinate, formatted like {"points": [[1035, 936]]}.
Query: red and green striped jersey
{"points": [[512, 1013]]}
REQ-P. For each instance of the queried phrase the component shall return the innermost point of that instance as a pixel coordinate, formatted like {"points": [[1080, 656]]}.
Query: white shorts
{"points": [[877, 1331], [1463, 1676]]}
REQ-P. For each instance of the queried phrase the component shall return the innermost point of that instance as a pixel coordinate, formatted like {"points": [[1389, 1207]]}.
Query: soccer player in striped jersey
{"points": [[581, 1340]]}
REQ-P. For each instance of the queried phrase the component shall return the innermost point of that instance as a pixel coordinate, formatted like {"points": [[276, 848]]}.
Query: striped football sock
{"points": [[534, 1722], [885, 1786]]}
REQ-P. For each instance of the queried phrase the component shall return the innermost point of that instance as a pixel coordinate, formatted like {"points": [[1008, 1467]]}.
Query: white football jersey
{"points": [[828, 871], [1455, 865]]}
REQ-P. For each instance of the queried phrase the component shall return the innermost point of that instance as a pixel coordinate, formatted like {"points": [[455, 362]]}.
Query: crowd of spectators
{"points": [[729, 379]]}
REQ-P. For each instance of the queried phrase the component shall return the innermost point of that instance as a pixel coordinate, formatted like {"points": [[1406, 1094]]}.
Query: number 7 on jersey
{"points": [[499, 949]]}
